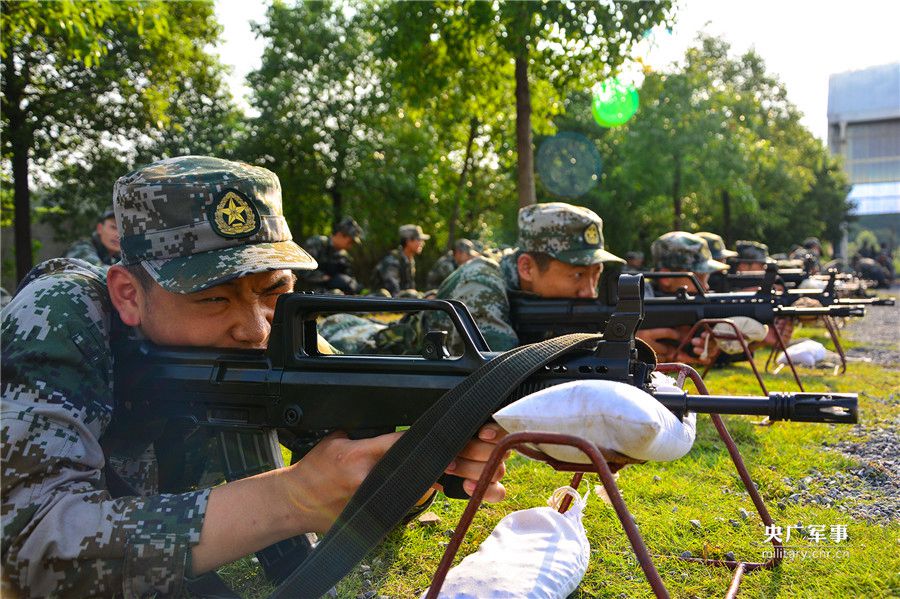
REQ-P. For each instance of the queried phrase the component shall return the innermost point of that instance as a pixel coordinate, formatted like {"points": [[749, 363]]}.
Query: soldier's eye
{"points": [[211, 300]]}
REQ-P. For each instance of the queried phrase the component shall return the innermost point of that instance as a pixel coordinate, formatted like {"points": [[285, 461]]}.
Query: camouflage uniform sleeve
{"points": [[85, 250], [482, 289], [63, 534], [314, 247], [388, 274]]}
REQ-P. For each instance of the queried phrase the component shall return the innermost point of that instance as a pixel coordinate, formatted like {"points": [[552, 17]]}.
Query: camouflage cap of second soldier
{"points": [[683, 251], [571, 234], [194, 222], [752, 251], [717, 246]]}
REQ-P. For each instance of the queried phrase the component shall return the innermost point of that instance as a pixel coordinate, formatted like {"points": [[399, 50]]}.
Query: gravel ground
{"points": [[870, 490], [880, 331]]}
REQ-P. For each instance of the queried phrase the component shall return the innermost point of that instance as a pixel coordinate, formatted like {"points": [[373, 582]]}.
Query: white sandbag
{"points": [[752, 330], [610, 414], [813, 284], [537, 553], [805, 353]]}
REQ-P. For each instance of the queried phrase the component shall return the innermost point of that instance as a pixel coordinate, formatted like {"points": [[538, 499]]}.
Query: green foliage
{"points": [[6, 200], [715, 145], [343, 141], [87, 81], [461, 55]]}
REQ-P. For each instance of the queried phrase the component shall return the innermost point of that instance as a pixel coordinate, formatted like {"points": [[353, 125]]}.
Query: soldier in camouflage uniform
{"points": [[716, 246], [560, 254], [634, 262], [205, 254], [396, 272], [677, 251], [719, 253], [811, 254], [463, 251], [751, 256], [335, 270], [102, 248]]}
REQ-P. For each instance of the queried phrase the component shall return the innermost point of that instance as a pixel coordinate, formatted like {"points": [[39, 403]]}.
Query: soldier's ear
{"points": [[526, 267], [126, 294]]}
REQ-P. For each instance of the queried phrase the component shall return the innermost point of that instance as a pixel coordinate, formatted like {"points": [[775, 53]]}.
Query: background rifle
{"points": [[536, 318], [830, 294]]}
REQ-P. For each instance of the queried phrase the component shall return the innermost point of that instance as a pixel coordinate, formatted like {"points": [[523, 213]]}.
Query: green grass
{"points": [[703, 486]]}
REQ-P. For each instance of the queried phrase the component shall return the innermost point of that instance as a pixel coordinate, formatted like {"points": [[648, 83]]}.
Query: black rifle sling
{"points": [[418, 459]]}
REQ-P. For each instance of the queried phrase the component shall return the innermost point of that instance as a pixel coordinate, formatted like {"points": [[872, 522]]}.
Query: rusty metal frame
{"points": [[832, 328], [707, 324], [605, 463]]}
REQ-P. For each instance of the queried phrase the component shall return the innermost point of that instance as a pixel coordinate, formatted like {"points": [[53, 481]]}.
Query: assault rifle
{"points": [[830, 294], [535, 318], [294, 387]]}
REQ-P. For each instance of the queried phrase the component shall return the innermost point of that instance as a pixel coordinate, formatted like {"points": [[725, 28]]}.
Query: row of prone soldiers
{"points": [[559, 253]]}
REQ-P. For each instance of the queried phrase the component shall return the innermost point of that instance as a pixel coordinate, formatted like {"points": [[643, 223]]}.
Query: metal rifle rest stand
{"points": [[605, 463], [835, 339], [707, 325]]}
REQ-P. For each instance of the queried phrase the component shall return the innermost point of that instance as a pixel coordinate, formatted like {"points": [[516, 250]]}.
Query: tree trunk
{"points": [[461, 186], [527, 194], [726, 217], [676, 194], [337, 205], [20, 142]]}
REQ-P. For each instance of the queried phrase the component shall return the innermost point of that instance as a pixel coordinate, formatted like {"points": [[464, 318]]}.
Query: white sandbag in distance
{"points": [[805, 353], [610, 414]]}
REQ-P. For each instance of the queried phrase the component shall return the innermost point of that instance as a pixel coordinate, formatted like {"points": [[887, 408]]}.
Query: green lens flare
{"points": [[614, 103]]}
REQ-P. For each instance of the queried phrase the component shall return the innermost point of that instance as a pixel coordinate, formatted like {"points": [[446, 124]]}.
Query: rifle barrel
{"points": [[798, 407]]}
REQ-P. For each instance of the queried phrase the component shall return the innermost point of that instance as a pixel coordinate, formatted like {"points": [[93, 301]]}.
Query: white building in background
{"points": [[864, 128]]}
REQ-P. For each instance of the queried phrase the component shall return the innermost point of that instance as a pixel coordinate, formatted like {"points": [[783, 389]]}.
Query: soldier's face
{"points": [[559, 280], [674, 284], [750, 266], [237, 314], [109, 235], [461, 257], [417, 245], [341, 241]]}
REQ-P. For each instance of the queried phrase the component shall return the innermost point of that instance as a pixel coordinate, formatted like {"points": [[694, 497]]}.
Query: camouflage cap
{"points": [[811, 242], [108, 213], [412, 232], [194, 222], [716, 246], [348, 226], [465, 246], [752, 251], [683, 251], [571, 234]]}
